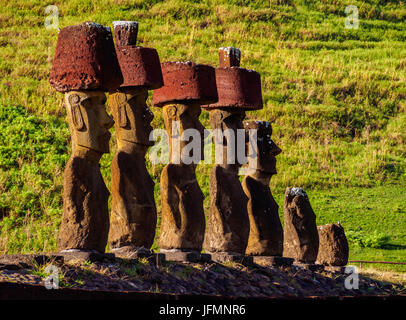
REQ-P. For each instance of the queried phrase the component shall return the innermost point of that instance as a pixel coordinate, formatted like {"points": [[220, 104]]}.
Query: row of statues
{"points": [[243, 217]]}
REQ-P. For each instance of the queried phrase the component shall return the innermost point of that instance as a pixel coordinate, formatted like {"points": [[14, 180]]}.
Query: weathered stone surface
{"points": [[229, 57], [237, 87], [273, 261], [85, 59], [125, 33], [85, 255], [227, 228], [186, 82], [85, 220], [266, 233], [133, 216], [185, 256], [301, 240], [333, 245], [223, 257], [140, 66], [308, 266], [182, 220]]}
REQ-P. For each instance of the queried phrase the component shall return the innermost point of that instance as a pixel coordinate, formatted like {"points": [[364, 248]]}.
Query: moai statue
{"points": [[133, 215], [84, 67], [265, 242], [186, 87], [239, 89], [301, 240], [333, 247]]}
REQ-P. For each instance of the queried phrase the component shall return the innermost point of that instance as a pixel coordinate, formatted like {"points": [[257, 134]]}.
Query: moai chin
{"points": [[133, 216], [266, 233], [239, 90], [300, 238], [83, 70], [187, 86]]}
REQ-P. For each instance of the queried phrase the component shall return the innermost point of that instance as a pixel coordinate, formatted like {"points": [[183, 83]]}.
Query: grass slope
{"points": [[336, 96]]}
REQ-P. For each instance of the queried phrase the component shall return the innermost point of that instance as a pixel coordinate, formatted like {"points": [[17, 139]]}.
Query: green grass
{"points": [[337, 98]]}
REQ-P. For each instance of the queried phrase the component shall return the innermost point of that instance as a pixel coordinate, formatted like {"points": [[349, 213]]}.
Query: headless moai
{"points": [[333, 245], [239, 90], [187, 86], [133, 215], [84, 67], [301, 240]]}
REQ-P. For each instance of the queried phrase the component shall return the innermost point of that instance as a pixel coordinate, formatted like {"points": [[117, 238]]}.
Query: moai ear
{"points": [[77, 118], [171, 111], [121, 101]]}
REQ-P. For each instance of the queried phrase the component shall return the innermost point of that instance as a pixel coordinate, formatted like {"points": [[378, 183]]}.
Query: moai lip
{"points": [[301, 239], [85, 59], [140, 66], [237, 87], [186, 82], [333, 245]]}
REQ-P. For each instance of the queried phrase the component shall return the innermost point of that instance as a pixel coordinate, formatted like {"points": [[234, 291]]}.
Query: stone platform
{"points": [[185, 256], [273, 261]]}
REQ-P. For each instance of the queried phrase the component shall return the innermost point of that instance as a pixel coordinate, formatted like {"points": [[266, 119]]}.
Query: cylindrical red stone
{"points": [[85, 59], [125, 33], [186, 82], [140, 67], [238, 88]]}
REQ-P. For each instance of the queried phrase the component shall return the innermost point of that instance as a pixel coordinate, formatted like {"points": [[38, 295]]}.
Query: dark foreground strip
{"points": [[21, 291]]}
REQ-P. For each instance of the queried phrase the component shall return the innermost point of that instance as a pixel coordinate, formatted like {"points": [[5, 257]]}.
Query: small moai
{"points": [[227, 229], [133, 214], [301, 240], [84, 68], [333, 247], [265, 242], [186, 87]]}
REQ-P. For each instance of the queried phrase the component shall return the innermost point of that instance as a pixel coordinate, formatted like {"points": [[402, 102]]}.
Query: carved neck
{"points": [[87, 154], [261, 176], [132, 147]]}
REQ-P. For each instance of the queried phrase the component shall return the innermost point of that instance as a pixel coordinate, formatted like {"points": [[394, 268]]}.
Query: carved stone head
{"points": [[267, 149], [132, 115], [187, 117], [88, 120]]}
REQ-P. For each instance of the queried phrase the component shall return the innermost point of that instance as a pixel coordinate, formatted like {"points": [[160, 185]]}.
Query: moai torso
{"points": [[227, 224], [301, 239], [183, 221]]}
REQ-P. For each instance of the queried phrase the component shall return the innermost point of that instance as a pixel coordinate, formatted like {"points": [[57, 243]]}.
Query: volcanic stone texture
{"points": [[125, 33], [333, 245], [186, 82], [140, 67], [238, 88], [85, 219], [228, 225], [301, 240], [85, 59], [266, 233]]}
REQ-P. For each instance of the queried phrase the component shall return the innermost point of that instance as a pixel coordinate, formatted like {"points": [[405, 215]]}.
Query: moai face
{"points": [[224, 119], [88, 120], [188, 118], [267, 149], [132, 116]]}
